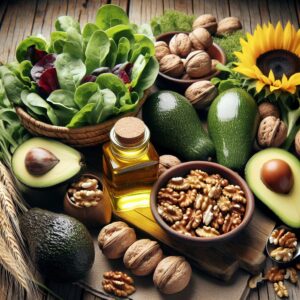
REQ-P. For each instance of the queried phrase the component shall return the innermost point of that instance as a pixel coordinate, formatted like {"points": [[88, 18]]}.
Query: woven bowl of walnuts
{"points": [[202, 203], [185, 58]]}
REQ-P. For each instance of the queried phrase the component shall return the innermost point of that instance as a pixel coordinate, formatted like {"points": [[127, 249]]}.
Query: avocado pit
{"points": [[277, 175], [39, 161]]}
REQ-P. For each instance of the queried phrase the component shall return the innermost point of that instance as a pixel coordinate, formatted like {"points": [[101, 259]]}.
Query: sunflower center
{"points": [[280, 62]]}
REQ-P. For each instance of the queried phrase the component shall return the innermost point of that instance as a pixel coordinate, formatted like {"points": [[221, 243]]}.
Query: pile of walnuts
{"points": [[201, 204]]}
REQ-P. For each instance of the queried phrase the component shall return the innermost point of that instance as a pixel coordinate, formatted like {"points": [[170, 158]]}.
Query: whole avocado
{"points": [[232, 125], [60, 246], [175, 126]]}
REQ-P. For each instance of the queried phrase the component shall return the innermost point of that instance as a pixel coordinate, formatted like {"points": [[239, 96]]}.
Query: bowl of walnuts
{"points": [[185, 58], [202, 202]]}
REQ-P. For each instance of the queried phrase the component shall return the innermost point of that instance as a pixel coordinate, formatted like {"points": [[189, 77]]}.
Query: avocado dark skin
{"points": [[60, 246]]}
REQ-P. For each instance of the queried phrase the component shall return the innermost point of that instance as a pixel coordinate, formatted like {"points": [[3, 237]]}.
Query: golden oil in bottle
{"points": [[130, 165]]}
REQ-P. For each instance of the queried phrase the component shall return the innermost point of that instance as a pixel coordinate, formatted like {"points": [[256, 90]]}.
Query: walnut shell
{"points": [[201, 39], [228, 25], [171, 65], [206, 21], [198, 64], [201, 93], [161, 50], [267, 109], [166, 162], [180, 44], [172, 274], [142, 257], [272, 132], [115, 238], [297, 143]]}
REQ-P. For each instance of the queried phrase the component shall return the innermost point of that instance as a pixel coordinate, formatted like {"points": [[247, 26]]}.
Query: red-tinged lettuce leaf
{"points": [[34, 54], [88, 78], [47, 62], [48, 81]]}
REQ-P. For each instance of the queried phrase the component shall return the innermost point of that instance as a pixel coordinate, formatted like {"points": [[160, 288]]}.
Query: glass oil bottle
{"points": [[130, 165]]}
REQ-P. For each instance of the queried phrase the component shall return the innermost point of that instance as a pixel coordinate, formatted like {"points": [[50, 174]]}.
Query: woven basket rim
{"points": [[88, 128]]}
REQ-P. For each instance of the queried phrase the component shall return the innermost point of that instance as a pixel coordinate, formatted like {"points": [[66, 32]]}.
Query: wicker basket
{"points": [[77, 137]]}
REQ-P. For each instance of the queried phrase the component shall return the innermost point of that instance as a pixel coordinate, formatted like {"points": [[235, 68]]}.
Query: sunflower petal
{"points": [[259, 86]]}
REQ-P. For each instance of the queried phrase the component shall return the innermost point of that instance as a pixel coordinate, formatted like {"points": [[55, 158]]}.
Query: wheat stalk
{"points": [[13, 256]]}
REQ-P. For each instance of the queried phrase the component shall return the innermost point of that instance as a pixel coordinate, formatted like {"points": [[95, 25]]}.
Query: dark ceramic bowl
{"points": [[211, 168], [180, 85]]}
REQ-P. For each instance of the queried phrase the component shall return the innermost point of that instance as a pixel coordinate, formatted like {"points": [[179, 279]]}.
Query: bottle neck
{"points": [[131, 152]]}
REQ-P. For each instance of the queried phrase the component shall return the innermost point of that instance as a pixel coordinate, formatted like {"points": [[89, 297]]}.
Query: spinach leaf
{"points": [[110, 60], [96, 50], [12, 85], [22, 71], [87, 32], [111, 15], [64, 23], [39, 106], [85, 93], [143, 45], [113, 83], [81, 117], [148, 76], [73, 44], [70, 71], [57, 42], [108, 109], [9, 116], [123, 50], [119, 31], [137, 69], [4, 102], [39, 43]]}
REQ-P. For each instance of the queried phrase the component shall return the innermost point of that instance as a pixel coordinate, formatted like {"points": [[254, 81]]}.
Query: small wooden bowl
{"points": [[180, 85], [90, 216], [211, 168]]}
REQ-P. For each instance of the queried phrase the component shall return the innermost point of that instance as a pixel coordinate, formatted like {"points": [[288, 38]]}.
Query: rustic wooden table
{"points": [[19, 19]]}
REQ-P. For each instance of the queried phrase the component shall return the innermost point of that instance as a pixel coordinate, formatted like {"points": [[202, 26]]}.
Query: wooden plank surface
{"points": [[20, 18]]}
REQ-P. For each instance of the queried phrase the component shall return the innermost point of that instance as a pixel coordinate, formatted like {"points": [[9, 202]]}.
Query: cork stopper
{"points": [[130, 131]]}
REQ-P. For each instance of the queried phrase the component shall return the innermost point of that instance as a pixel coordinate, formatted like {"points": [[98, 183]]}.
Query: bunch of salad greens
{"points": [[82, 77]]}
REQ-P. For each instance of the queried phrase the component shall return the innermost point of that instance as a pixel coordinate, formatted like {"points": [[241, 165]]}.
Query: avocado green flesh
{"points": [[286, 207], [60, 246], [232, 125], [69, 163], [174, 125]]}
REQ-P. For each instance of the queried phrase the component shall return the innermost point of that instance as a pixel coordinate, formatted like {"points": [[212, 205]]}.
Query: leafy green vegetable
{"points": [[57, 41], [143, 46], [39, 106], [230, 43], [87, 33], [119, 31], [64, 23], [96, 50], [73, 44], [123, 50], [87, 92], [81, 118], [172, 20], [12, 85], [38, 42], [137, 69], [70, 71], [109, 16], [111, 57]]}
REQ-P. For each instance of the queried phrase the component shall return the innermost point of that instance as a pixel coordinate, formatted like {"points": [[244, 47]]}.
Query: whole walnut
{"points": [[272, 132], [171, 65], [115, 238], [166, 162], [172, 274], [201, 39], [228, 25], [206, 21], [198, 64], [297, 143], [180, 44], [161, 50], [142, 257], [267, 109]]}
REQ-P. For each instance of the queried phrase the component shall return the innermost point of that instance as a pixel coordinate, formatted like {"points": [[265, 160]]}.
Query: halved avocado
{"points": [[285, 205], [43, 169]]}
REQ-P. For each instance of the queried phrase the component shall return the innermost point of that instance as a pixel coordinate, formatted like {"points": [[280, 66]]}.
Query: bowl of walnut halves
{"points": [[202, 202]]}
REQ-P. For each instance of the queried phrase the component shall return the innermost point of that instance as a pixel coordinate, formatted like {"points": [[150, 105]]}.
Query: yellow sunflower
{"points": [[271, 56]]}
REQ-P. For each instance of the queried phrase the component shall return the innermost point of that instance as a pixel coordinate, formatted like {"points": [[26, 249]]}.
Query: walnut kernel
{"points": [[280, 289]]}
